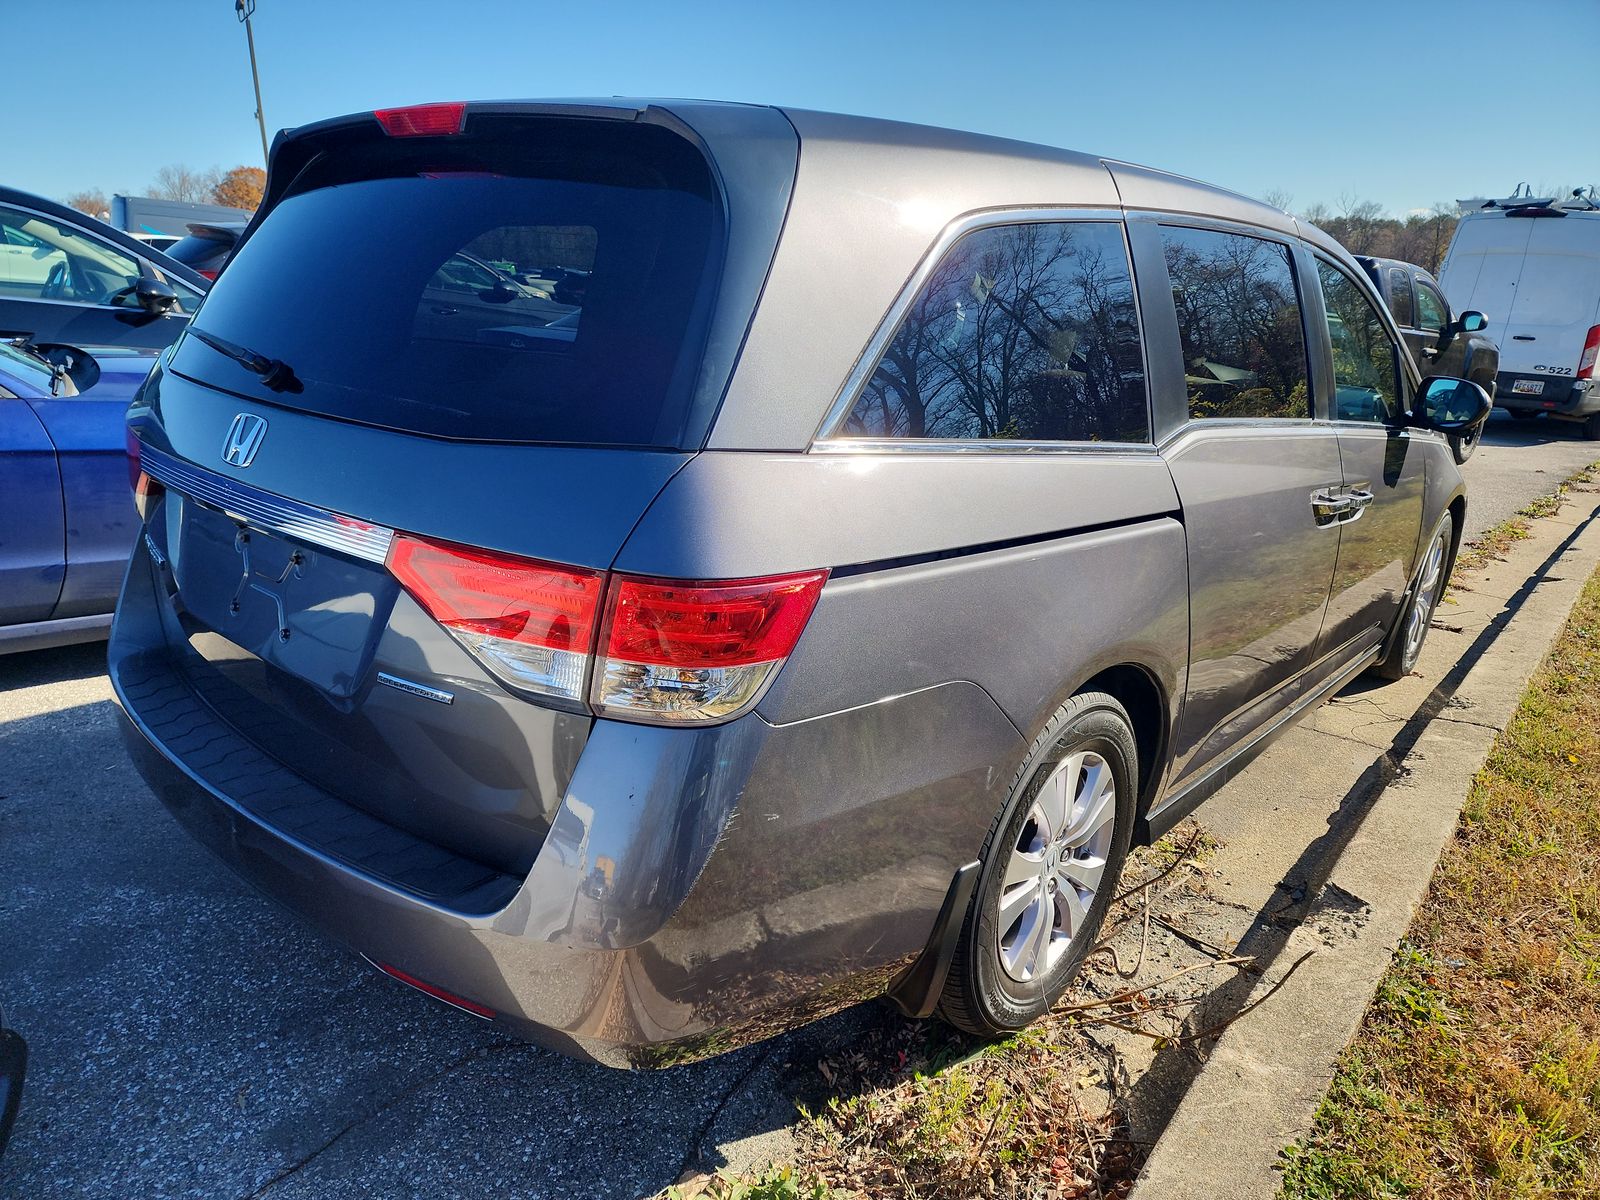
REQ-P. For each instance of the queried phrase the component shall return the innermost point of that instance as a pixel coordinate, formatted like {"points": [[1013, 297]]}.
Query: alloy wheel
{"points": [[1428, 587], [1055, 868]]}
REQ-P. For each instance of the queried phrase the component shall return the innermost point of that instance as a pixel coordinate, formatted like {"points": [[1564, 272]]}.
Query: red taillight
{"points": [[1591, 352], [438, 993], [673, 650], [135, 472], [423, 120], [696, 651], [211, 275], [146, 491], [532, 622], [727, 623]]}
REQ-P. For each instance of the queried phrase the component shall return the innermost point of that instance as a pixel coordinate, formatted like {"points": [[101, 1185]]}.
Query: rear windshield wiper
{"points": [[275, 373]]}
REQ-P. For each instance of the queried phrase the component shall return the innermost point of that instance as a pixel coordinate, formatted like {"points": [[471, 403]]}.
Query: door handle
{"points": [[1329, 508], [1341, 506], [1357, 499]]}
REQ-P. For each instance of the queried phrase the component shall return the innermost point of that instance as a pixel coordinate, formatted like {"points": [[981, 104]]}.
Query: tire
{"points": [[1591, 427], [1422, 597], [1462, 445], [1000, 979]]}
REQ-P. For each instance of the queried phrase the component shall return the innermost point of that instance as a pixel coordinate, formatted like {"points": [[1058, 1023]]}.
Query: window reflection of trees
{"points": [[1363, 354], [1239, 321], [1021, 332]]}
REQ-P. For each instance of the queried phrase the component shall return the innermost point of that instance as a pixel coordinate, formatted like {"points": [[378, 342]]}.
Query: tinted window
{"points": [[543, 285], [1431, 308], [1021, 332], [1399, 295], [1366, 386], [44, 259], [1244, 347]]}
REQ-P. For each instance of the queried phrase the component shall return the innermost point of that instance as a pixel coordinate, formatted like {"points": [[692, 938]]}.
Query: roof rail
{"points": [[1584, 199]]}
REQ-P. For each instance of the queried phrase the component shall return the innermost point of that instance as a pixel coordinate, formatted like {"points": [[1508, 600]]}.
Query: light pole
{"points": [[244, 10]]}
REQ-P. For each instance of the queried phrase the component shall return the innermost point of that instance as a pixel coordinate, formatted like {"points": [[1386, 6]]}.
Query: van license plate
{"points": [[1527, 387]]}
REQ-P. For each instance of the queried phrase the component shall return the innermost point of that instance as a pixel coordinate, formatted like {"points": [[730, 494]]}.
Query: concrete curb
{"points": [[1266, 1075]]}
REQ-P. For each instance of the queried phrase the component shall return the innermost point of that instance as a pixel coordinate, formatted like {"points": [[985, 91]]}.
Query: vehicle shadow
{"points": [[1505, 430], [1154, 1096], [36, 668]]}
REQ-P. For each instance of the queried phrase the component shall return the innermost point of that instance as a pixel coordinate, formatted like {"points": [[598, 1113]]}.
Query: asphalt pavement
{"points": [[1518, 460], [189, 1039]]}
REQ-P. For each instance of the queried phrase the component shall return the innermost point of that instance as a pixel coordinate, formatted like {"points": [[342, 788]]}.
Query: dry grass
{"points": [[918, 1111], [1477, 1071]]}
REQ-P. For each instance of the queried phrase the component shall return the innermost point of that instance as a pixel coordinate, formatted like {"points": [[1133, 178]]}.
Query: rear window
{"points": [[201, 253], [533, 280]]}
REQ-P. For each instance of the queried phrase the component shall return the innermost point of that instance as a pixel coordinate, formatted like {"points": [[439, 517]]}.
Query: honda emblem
{"points": [[244, 439]]}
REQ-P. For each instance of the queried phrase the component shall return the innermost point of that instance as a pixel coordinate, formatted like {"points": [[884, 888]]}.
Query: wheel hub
{"points": [[1052, 875]]}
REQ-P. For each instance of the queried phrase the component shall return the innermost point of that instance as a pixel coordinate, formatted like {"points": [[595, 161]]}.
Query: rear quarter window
{"points": [[535, 280], [1023, 332]]}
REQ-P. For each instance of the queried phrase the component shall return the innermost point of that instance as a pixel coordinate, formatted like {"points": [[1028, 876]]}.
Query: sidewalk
{"points": [[1259, 1087]]}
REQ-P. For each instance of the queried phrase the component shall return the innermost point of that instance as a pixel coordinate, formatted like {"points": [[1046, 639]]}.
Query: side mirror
{"points": [[1448, 405], [155, 297], [1472, 321]]}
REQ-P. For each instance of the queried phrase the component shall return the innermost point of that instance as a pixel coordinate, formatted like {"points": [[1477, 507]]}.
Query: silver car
{"points": [[913, 522]]}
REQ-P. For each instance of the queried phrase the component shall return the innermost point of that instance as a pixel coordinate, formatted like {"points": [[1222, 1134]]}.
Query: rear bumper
{"points": [[698, 890], [1562, 396]]}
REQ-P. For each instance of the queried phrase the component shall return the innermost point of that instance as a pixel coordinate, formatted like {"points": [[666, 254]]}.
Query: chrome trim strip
{"points": [[868, 361], [268, 512], [849, 445]]}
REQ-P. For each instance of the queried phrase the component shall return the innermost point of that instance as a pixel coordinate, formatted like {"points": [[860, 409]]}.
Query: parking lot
{"points": [[189, 1039]]}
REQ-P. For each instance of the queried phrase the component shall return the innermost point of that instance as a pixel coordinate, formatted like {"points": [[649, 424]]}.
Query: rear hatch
{"points": [[1557, 295], [489, 338]]}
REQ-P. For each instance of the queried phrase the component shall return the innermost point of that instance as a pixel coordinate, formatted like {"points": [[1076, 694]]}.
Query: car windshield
{"points": [[544, 281]]}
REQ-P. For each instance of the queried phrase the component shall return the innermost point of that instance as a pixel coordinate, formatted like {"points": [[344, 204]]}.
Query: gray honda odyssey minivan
{"points": [[650, 573]]}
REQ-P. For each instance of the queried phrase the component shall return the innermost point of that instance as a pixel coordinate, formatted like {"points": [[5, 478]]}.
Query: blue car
{"points": [[68, 520], [13, 1066]]}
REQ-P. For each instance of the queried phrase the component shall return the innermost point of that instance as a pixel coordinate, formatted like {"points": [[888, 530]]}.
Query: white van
{"points": [[1533, 268]]}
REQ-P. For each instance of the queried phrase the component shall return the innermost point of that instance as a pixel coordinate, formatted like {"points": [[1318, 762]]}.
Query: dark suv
{"points": [[895, 526], [1442, 342]]}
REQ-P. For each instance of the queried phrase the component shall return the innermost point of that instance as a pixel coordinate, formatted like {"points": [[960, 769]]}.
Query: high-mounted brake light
{"points": [[531, 623], [424, 120], [676, 651], [1591, 352]]}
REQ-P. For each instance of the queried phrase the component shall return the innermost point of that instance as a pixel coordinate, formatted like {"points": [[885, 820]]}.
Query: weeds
{"points": [[1477, 1069], [1494, 543]]}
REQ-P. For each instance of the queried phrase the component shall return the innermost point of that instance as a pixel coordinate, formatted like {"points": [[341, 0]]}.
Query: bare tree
{"points": [[93, 202], [1278, 198], [178, 182]]}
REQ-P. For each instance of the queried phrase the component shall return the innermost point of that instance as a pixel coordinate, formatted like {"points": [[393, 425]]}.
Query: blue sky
{"points": [[1406, 102]]}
